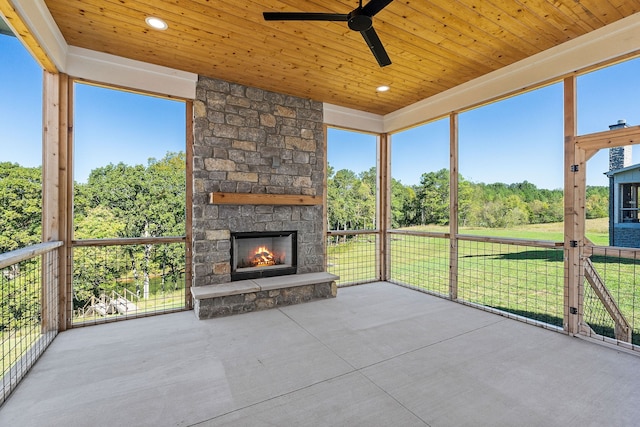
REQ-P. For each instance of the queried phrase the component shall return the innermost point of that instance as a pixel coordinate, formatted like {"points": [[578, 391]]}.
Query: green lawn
{"points": [[522, 280]]}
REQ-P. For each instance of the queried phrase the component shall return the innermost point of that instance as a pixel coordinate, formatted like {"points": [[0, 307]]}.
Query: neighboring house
{"points": [[624, 183]]}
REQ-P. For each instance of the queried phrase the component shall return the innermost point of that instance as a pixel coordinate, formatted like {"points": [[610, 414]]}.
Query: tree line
{"points": [[352, 202], [120, 201], [117, 201]]}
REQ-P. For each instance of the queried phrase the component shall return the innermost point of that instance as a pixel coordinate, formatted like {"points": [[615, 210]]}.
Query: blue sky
{"points": [[109, 126], [513, 140], [517, 139]]}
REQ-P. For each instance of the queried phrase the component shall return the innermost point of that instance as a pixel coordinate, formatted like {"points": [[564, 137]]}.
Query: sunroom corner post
{"points": [[574, 212], [55, 197], [453, 206], [325, 199], [384, 206]]}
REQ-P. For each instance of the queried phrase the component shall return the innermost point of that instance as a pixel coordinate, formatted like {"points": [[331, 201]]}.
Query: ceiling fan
{"points": [[359, 19]]}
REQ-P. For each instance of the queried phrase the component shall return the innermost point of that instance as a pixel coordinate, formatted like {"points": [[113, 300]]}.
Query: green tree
{"points": [[597, 202], [145, 202], [403, 205], [95, 269], [20, 226], [432, 196], [20, 206]]}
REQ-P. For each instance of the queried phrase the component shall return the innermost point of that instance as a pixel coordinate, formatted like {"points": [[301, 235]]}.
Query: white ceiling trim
{"points": [[348, 118], [115, 70], [100, 67]]}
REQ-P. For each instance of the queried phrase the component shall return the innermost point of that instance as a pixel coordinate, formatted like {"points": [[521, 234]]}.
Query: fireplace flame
{"points": [[263, 257]]}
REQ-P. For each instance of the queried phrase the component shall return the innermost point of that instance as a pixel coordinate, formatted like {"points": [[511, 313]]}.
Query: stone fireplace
{"points": [[255, 143]]}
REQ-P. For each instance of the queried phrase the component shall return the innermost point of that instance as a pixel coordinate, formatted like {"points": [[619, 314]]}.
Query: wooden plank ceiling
{"points": [[434, 44]]}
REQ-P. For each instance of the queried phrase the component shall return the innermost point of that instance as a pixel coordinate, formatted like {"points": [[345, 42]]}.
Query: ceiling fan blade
{"points": [[304, 16], [374, 43], [375, 6]]}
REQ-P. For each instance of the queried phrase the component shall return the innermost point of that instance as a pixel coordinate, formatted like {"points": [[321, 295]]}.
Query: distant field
{"points": [[524, 280], [597, 231]]}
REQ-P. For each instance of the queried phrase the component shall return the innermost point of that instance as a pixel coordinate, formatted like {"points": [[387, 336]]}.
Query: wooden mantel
{"points": [[219, 198]]}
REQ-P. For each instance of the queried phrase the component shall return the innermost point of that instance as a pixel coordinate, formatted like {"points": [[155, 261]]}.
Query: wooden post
{"points": [[453, 206], [325, 220], [383, 208], [188, 244], [55, 201], [66, 286], [574, 212]]}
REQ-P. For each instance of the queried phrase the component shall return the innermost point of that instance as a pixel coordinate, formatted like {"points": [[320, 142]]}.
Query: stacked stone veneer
{"points": [[248, 140]]}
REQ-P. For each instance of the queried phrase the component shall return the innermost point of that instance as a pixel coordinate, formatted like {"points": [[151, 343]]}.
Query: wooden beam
{"points": [[66, 284], [570, 320], [453, 206], [574, 212], [609, 138], [220, 198], [325, 214], [53, 154]]}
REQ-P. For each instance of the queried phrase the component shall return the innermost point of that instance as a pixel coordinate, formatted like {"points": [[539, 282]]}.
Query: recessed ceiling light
{"points": [[382, 88], [156, 23]]}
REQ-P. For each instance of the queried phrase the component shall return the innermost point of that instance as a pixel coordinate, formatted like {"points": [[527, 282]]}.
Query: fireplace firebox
{"points": [[263, 254]]}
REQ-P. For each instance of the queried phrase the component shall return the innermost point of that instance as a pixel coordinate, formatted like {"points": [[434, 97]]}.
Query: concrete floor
{"points": [[378, 355]]}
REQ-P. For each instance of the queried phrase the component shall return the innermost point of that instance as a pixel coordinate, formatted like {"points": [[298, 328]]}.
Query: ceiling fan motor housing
{"points": [[358, 21]]}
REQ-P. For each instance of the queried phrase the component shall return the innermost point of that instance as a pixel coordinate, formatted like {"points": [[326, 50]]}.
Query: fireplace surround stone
{"points": [[252, 141]]}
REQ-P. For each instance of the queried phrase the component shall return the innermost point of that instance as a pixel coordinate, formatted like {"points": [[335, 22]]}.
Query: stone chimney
{"points": [[619, 157]]}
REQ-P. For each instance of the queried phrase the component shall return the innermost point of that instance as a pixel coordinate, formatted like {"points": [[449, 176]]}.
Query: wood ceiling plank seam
{"points": [[470, 48], [422, 83], [156, 37], [471, 17], [364, 67], [582, 15], [451, 58], [391, 39], [572, 16], [471, 70], [159, 34], [627, 8], [603, 10], [554, 16], [336, 94], [489, 28], [283, 27], [398, 21], [522, 14], [533, 41]]}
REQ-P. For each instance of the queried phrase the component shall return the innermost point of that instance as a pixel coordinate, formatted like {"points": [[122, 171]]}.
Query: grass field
{"points": [[523, 280]]}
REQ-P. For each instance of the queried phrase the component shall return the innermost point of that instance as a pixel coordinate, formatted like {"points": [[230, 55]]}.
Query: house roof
{"points": [[626, 169], [434, 45]]}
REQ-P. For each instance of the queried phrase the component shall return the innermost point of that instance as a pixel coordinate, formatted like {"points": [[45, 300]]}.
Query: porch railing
{"points": [[353, 255], [611, 309], [29, 283], [118, 279]]}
